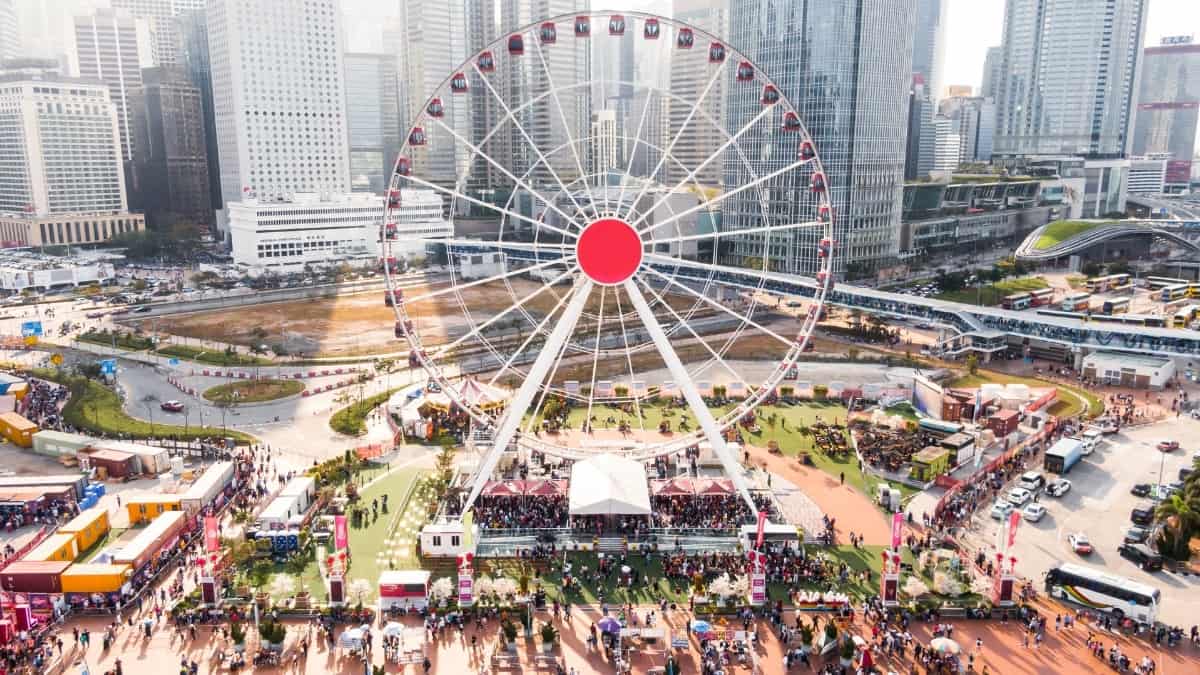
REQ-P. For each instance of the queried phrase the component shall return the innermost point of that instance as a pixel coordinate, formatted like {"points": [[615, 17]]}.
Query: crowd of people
{"points": [[43, 403], [529, 511], [714, 512]]}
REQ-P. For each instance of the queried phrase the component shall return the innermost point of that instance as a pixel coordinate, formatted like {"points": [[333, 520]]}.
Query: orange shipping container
{"points": [[95, 578], [88, 527], [17, 429], [59, 547]]}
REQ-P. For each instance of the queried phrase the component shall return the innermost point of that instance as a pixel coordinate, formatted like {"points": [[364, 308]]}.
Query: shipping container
{"points": [[76, 481], [88, 527], [150, 541], [301, 486], [206, 488], [145, 508], [278, 512], [59, 443], [110, 463], [17, 429], [154, 460], [55, 547], [95, 578], [33, 577]]}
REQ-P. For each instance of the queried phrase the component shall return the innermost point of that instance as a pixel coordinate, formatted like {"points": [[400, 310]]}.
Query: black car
{"points": [[142, 309], [1142, 515], [1136, 535], [1141, 490], [1142, 556]]}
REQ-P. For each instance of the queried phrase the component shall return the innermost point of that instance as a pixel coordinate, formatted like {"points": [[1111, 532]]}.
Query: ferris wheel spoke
{"points": [[724, 195], [713, 155], [737, 377], [747, 230], [478, 330], [637, 140], [496, 244], [675, 139], [521, 129], [566, 127], [684, 381], [510, 421], [596, 353], [452, 288], [549, 202], [691, 291], [637, 404], [537, 330], [498, 209]]}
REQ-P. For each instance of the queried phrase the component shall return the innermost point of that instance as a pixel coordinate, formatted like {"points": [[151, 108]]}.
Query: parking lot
{"points": [[1099, 504]]}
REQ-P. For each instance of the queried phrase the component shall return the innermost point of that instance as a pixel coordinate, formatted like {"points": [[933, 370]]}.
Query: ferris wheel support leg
{"points": [[520, 402], [684, 381]]}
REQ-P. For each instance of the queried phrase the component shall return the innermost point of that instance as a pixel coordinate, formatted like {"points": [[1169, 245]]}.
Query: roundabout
{"points": [[253, 391]]}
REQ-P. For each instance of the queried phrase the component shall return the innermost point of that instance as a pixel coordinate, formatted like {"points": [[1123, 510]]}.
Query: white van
{"points": [[1092, 438]]}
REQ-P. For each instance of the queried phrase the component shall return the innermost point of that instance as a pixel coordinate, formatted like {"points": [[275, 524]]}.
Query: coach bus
{"points": [[1115, 306], [1106, 592], [1042, 297], [1158, 282], [1174, 292], [1017, 301], [1076, 302], [1185, 316], [1108, 283]]}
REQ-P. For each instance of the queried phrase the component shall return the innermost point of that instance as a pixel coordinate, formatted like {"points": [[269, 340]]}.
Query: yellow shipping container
{"points": [[94, 578], [60, 547], [88, 527], [17, 429], [145, 508]]}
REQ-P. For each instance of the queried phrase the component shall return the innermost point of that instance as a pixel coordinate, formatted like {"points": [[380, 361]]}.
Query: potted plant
{"points": [[509, 629], [829, 638], [549, 638], [806, 636], [847, 653], [238, 634]]}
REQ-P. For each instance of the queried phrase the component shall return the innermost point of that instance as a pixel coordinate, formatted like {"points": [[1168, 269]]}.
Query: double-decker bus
{"points": [[1108, 283], [1174, 292], [1115, 306], [1042, 297], [1105, 592], [1017, 301], [1158, 282], [1184, 316], [1076, 302]]}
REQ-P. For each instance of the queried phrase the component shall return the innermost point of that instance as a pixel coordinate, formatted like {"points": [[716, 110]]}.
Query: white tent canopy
{"points": [[607, 484]]}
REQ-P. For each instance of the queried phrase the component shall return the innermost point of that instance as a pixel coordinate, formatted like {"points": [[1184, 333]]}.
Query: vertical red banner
{"points": [[897, 530], [341, 533], [212, 537], [762, 523], [1014, 519]]}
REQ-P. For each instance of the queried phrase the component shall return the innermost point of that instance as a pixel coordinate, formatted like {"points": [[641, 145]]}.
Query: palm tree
{"points": [[1181, 513]]}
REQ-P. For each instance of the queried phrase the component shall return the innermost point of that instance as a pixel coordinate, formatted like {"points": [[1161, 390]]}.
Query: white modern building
{"points": [[1129, 370], [690, 74], [27, 269], [604, 142], [279, 99], [160, 15], [10, 43], [1148, 175], [106, 50], [313, 230], [947, 144]]}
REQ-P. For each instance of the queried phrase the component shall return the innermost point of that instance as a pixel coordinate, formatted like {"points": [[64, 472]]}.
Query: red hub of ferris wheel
{"points": [[609, 251]]}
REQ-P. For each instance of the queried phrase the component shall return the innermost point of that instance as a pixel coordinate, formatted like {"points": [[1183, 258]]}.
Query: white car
{"points": [[1018, 496], [1079, 543], [1001, 509], [1058, 487], [1033, 512]]}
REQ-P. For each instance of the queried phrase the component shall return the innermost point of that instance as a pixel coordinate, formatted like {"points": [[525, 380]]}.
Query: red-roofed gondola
{"points": [[823, 213], [716, 52], [824, 247], [770, 95], [807, 151], [458, 83], [817, 184], [548, 33], [583, 26], [389, 231], [650, 29], [435, 108], [822, 278], [403, 166], [400, 326], [516, 44], [791, 121], [393, 199], [487, 62], [616, 24], [685, 39], [416, 136], [745, 72], [390, 297]]}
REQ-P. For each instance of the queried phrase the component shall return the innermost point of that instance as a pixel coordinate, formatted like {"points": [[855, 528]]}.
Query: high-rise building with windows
{"points": [[10, 36], [975, 122], [372, 119], [1068, 77], [947, 144], [991, 72], [173, 164], [1169, 104], [193, 33], [604, 143], [165, 40], [919, 147], [929, 45], [847, 66], [279, 97], [690, 75], [106, 50]]}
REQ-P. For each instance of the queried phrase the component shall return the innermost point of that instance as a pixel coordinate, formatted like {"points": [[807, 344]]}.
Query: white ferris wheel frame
{"points": [[538, 378]]}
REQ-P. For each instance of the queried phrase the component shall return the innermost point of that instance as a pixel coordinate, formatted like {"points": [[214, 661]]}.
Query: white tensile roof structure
{"points": [[608, 485]]}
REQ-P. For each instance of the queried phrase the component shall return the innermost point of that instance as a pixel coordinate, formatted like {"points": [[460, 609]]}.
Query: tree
{"points": [[1091, 269], [1118, 267], [972, 364]]}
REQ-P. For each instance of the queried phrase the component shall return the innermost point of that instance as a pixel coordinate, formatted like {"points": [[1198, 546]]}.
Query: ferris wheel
{"points": [[610, 278]]}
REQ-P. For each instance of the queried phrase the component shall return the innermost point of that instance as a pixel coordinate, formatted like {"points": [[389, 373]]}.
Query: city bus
{"points": [[1158, 282], [1102, 591], [1017, 301], [1042, 296], [1108, 283], [1185, 316], [1174, 292], [1115, 306], [1076, 302]]}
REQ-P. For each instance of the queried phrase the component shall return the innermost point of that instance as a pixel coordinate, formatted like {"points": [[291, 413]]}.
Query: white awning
{"points": [[607, 484]]}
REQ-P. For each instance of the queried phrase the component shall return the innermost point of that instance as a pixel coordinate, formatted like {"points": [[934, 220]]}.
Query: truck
{"points": [[1063, 455]]}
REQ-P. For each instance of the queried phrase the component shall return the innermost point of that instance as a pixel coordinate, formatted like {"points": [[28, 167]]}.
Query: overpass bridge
{"points": [[983, 330]]}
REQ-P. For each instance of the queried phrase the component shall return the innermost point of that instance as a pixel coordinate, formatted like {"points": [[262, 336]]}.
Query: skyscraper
{"points": [[174, 163], [603, 141], [992, 64], [106, 50], [974, 120], [193, 33], [1067, 83], [278, 94], [947, 144], [165, 40], [847, 66], [10, 37], [929, 45], [1168, 105], [690, 74], [919, 147], [372, 119], [928, 56]]}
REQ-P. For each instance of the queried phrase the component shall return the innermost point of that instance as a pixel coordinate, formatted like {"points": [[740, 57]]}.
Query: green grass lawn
{"points": [[211, 357], [993, 294], [110, 536], [122, 340], [1062, 230], [905, 410], [352, 420], [1067, 405], [254, 391]]}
